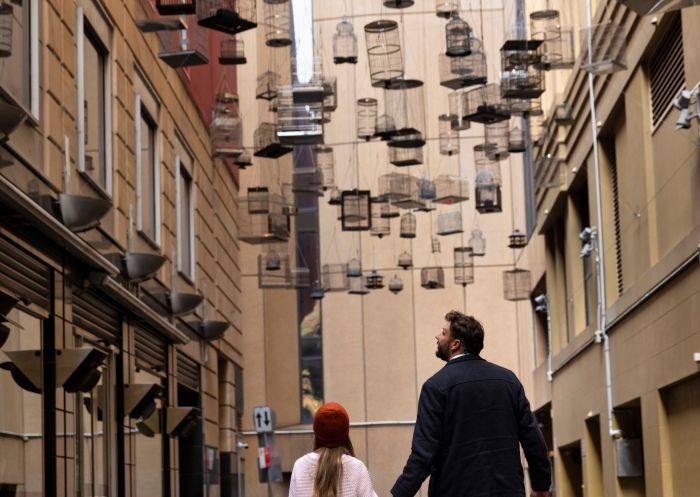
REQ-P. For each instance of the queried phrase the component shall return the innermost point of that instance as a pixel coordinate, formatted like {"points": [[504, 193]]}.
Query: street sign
{"points": [[264, 457], [263, 420]]}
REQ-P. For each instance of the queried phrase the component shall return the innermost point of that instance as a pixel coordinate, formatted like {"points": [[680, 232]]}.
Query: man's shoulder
{"points": [[477, 366]]}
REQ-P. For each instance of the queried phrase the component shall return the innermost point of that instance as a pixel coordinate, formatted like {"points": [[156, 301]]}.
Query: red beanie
{"points": [[331, 425]]}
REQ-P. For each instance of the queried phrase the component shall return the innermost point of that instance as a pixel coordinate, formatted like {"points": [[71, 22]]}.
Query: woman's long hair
{"points": [[330, 468]]}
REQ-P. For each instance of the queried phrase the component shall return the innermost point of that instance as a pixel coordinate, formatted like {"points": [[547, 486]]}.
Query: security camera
{"points": [[140, 399], [682, 101], [541, 299], [586, 250], [242, 445], [585, 234], [684, 119]]}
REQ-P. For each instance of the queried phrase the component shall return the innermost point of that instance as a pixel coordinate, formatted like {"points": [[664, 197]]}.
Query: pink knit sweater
{"points": [[354, 482]]}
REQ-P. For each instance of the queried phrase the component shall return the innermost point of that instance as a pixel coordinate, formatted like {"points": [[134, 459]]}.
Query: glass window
{"points": [[148, 219], [21, 423], [185, 228], [15, 44], [94, 107]]}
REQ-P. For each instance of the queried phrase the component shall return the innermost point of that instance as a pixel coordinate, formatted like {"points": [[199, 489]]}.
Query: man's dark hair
{"points": [[467, 330]]}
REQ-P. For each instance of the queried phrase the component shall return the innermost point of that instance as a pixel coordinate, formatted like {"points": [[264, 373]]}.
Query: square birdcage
{"points": [[405, 103], [649, 7], [185, 47], [414, 199], [449, 223], [607, 44], [383, 40], [484, 162], [278, 25], [301, 277], [557, 50], [487, 195], [307, 180], [432, 278], [226, 128], [267, 144], [273, 270], [176, 7], [404, 157], [426, 189], [396, 186], [366, 118], [497, 137], [270, 227], [385, 128], [334, 277], [6, 24], [485, 105], [464, 70], [381, 226], [227, 16], [516, 140], [330, 94], [325, 162], [356, 210], [516, 284], [232, 52], [344, 43], [521, 73], [266, 87], [458, 110], [451, 189], [258, 200], [449, 137], [298, 123], [244, 160]]}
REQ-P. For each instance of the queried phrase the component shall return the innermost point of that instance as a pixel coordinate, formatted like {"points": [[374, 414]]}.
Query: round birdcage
{"points": [[449, 137], [457, 111], [381, 226], [408, 225], [398, 4], [374, 280], [232, 52], [497, 137], [435, 245], [366, 118], [405, 103], [325, 163], [384, 52], [477, 242], [457, 36], [317, 292], [405, 260], [395, 284], [277, 21], [516, 140], [461, 71], [344, 43], [544, 24], [6, 22], [463, 265], [446, 8]]}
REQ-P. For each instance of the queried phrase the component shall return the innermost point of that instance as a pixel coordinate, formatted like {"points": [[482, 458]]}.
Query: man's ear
{"points": [[458, 342]]}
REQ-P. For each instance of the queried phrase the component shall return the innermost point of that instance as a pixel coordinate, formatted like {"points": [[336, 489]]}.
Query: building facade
{"points": [[120, 265]]}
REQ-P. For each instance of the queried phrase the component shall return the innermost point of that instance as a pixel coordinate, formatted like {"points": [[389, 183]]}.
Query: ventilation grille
{"points": [[151, 351], [666, 71], [92, 314], [187, 372], [23, 275], [618, 227]]}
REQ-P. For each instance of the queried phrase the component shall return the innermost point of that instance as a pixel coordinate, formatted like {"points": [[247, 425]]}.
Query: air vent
{"points": [[666, 71]]}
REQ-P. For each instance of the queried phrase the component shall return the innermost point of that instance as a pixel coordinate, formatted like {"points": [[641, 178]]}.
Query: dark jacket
{"points": [[472, 417]]}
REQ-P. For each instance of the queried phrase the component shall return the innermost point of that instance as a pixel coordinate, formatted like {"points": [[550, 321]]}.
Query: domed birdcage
{"points": [[408, 225], [426, 189], [374, 280], [395, 284], [405, 260], [344, 43], [449, 137], [354, 268], [457, 36], [435, 245], [477, 242]]}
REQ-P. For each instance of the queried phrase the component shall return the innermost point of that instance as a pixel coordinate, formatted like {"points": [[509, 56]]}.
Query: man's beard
{"points": [[443, 352]]}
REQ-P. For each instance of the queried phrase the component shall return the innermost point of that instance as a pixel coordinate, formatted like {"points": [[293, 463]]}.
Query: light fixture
{"points": [[586, 250], [140, 399]]}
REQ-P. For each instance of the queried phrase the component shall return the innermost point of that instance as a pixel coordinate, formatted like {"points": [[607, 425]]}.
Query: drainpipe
{"points": [[597, 239]]}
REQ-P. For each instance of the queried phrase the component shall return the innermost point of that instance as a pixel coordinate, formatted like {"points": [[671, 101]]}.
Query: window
{"points": [[665, 70], [19, 61], [185, 214], [147, 163], [93, 95]]}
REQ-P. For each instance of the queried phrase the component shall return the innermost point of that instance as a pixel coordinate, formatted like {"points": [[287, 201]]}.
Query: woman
{"points": [[331, 470]]}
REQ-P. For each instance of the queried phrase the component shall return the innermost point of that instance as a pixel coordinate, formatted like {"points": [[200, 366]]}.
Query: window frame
{"points": [[82, 18], [141, 107], [182, 170]]}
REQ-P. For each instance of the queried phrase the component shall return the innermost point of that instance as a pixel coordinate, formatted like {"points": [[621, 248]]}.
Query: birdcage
{"points": [[544, 24], [517, 239], [405, 260], [383, 52], [273, 270], [558, 52], [607, 48], [563, 115], [267, 84], [463, 265], [334, 197], [356, 286], [272, 226], [464, 275], [457, 110], [6, 22], [388, 210], [432, 278], [385, 128], [398, 4], [538, 129], [176, 7], [366, 117], [408, 225], [457, 37], [356, 210], [446, 8], [426, 189], [484, 162], [435, 245], [477, 242], [449, 223], [484, 105], [521, 73], [487, 196], [298, 122], [277, 23], [396, 186], [516, 140], [374, 280], [395, 284], [258, 200], [381, 226], [451, 189], [463, 256], [300, 276], [244, 160], [185, 47], [354, 268], [344, 43], [464, 70], [232, 52], [267, 144], [228, 16], [404, 157], [330, 94], [335, 277], [325, 163], [516, 284], [497, 137], [308, 180], [449, 138], [405, 103], [226, 129], [413, 200]]}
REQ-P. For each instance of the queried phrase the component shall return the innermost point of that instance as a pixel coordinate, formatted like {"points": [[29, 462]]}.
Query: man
{"points": [[472, 418]]}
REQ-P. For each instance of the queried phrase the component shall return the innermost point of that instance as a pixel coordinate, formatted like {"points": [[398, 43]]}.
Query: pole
{"points": [[269, 482]]}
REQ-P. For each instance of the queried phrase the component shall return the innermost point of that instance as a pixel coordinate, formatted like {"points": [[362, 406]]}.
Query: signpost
{"points": [[263, 419], [264, 422]]}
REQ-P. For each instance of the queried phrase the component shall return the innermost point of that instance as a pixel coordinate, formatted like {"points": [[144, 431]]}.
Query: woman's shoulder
{"points": [[352, 462]]}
